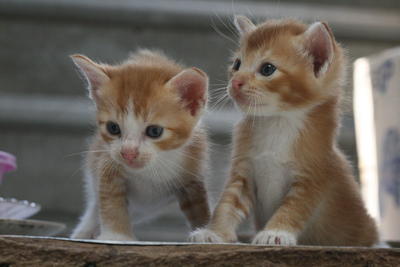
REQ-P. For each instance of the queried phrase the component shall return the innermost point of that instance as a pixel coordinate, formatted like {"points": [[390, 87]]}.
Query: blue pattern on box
{"points": [[382, 74], [390, 167]]}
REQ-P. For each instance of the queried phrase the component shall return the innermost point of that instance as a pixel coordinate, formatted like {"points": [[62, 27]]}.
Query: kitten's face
{"points": [[146, 111], [138, 134], [275, 69]]}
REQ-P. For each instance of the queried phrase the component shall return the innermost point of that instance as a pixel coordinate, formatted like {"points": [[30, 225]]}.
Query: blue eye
{"points": [[113, 128], [267, 69], [154, 131]]}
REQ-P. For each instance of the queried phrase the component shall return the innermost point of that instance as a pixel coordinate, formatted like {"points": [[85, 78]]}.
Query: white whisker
{"points": [[86, 152]]}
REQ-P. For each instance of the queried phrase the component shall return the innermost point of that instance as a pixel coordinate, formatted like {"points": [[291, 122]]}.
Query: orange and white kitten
{"points": [[286, 165], [149, 147]]}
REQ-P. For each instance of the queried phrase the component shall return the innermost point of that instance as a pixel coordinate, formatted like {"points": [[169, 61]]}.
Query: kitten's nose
{"points": [[237, 84], [130, 154]]}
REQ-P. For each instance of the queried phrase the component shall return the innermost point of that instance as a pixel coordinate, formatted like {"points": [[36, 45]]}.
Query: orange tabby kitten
{"points": [[286, 165], [149, 147]]}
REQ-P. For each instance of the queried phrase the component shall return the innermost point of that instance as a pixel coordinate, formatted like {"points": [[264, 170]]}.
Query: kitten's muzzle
{"points": [[237, 93], [237, 84], [130, 154], [132, 157]]}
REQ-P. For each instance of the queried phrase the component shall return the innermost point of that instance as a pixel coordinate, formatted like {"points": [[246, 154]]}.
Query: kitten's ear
{"points": [[243, 24], [94, 74], [191, 86], [319, 44]]}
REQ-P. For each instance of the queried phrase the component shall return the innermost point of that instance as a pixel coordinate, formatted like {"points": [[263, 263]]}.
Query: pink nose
{"points": [[237, 84], [129, 154]]}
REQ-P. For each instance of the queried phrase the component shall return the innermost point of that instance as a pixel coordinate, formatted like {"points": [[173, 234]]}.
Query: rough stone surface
{"points": [[23, 251]]}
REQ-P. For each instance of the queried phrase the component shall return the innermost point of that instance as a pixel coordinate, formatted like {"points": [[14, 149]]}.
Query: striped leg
{"points": [[194, 204], [114, 218], [88, 225], [234, 205], [292, 216]]}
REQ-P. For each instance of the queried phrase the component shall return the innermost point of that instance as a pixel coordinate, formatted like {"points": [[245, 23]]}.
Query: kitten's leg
{"points": [[89, 223], [194, 203], [292, 216], [234, 205], [113, 206]]}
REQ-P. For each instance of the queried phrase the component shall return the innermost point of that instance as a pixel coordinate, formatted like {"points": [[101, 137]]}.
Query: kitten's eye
{"points": [[113, 128], [236, 64], [267, 69], [154, 131]]}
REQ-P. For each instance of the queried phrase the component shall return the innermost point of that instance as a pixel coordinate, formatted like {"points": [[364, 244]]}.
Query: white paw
{"points": [[115, 237], [203, 235], [275, 238]]}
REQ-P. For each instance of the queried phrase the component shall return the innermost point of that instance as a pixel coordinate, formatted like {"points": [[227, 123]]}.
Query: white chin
{"points": [[135, 167], [264, 110]]}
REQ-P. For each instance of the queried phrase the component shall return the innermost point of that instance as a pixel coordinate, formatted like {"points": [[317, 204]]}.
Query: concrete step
{"points": [[38, 35]]}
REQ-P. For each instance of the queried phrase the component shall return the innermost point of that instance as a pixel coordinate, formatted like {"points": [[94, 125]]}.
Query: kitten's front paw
{"points": [[115, 237], [204, 235], [275, 238]]}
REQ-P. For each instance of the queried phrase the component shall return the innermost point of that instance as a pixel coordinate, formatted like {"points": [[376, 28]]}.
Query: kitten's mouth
{"points": [[241, 98], [135, 164], [244, 100]]}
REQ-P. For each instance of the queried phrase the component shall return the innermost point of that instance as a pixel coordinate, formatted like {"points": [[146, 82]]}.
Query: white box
{"points": [[377, 119]]}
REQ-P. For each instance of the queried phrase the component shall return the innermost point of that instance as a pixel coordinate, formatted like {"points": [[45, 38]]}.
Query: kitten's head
{"points": [[146, 106], [283, 65]]}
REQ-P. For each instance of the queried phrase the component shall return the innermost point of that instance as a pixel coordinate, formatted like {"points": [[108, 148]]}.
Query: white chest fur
{"points": [[153, 188], [271, 153]]}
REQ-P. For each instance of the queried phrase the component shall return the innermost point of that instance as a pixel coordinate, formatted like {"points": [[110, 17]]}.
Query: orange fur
{"points": [[314, 198], [148, 89]]}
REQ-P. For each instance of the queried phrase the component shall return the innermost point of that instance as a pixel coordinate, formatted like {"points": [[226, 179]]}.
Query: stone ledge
{"points": [[24, 251]]}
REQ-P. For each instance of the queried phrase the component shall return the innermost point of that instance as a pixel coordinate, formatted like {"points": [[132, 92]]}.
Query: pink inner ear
{"points": [[95, 80], [320, 54], [319, 46], [93, 73], [192, 87], [193, 95]]}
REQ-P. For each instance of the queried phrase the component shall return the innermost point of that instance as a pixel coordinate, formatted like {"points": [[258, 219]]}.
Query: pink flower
{"points": [[7, 163]]}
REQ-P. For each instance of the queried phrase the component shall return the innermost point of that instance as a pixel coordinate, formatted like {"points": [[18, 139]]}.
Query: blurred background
{"points": [[46, 119]]}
